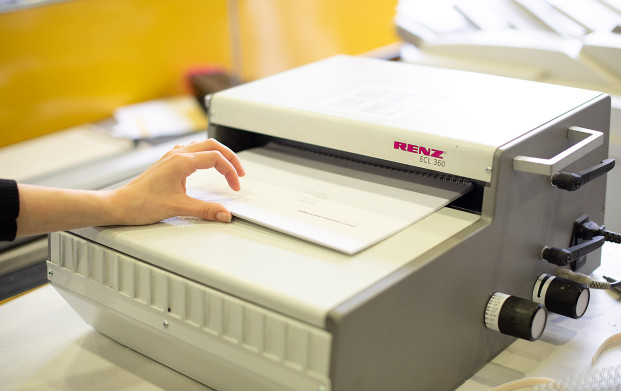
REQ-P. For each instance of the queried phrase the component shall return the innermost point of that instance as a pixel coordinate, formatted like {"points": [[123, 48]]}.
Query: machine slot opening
{"points": [[239, 140]]}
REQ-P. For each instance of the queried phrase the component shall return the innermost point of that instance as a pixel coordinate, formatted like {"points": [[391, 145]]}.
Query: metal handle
{"points": [[587, 139], [571, 181], [563, 256]]}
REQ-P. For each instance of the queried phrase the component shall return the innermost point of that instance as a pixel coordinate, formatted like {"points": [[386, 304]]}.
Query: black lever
{"points": [[573, 181], [563, 256]]}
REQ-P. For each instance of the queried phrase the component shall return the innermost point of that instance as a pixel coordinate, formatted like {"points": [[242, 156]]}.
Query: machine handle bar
{"points": [[586, 141]]}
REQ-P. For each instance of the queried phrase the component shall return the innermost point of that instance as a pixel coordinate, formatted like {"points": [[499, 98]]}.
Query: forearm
{"points": [[156, 194], [45, 210]]}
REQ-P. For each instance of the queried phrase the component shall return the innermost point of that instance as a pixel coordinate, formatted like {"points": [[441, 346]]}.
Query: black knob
{"points": [[515, 316], [561, 296]]}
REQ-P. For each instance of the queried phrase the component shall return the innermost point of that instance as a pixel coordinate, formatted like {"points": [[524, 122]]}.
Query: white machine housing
{"points": [[238, 306]]}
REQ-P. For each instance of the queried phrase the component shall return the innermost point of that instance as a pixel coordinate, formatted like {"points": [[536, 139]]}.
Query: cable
{"points": [[613, 283], [584, 279], [612, 340], [589, 229]]}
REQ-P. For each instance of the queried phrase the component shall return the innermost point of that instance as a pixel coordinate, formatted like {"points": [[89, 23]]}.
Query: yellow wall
{"points": [[280, 34], [73, 62]]}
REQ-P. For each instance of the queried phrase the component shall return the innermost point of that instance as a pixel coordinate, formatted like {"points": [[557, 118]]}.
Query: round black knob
{"points": [[515, 316], [561, 296]]}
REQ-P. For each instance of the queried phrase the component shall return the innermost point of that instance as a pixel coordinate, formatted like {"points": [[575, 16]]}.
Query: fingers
{"points": [[214, 145], [214, 159], [206, 154]]}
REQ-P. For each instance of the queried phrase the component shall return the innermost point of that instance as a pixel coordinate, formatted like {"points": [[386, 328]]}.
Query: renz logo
{"points": [[436, 153]]}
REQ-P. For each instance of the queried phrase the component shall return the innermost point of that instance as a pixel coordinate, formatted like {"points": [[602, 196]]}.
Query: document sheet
{"points": [[334, 202]]}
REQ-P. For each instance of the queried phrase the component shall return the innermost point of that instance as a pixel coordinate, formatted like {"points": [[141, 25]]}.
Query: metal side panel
{"points": [[422, 327], [205, 334]]}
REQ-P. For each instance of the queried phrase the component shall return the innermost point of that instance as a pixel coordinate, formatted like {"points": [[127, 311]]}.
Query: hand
{"points": [[156, 194], [160, 191]]}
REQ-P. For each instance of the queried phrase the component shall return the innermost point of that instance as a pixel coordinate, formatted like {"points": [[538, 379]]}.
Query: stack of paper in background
{"points": [[159, 118]]}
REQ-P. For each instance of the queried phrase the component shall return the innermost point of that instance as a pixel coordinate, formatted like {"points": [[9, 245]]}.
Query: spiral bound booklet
{"points": [[341, 204]]}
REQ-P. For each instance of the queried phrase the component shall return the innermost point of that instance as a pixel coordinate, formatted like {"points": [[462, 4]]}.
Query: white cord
{"points": [[581, 278]]}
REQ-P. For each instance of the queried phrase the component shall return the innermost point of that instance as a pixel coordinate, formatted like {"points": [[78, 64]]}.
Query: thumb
{"points": [[206, 210]]}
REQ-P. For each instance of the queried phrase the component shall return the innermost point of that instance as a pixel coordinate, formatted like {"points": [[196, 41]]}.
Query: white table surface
{"points": [[44, 344]]}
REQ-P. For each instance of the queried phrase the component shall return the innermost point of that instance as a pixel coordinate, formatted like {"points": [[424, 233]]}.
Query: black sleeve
{"points": [[9, 209]]}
